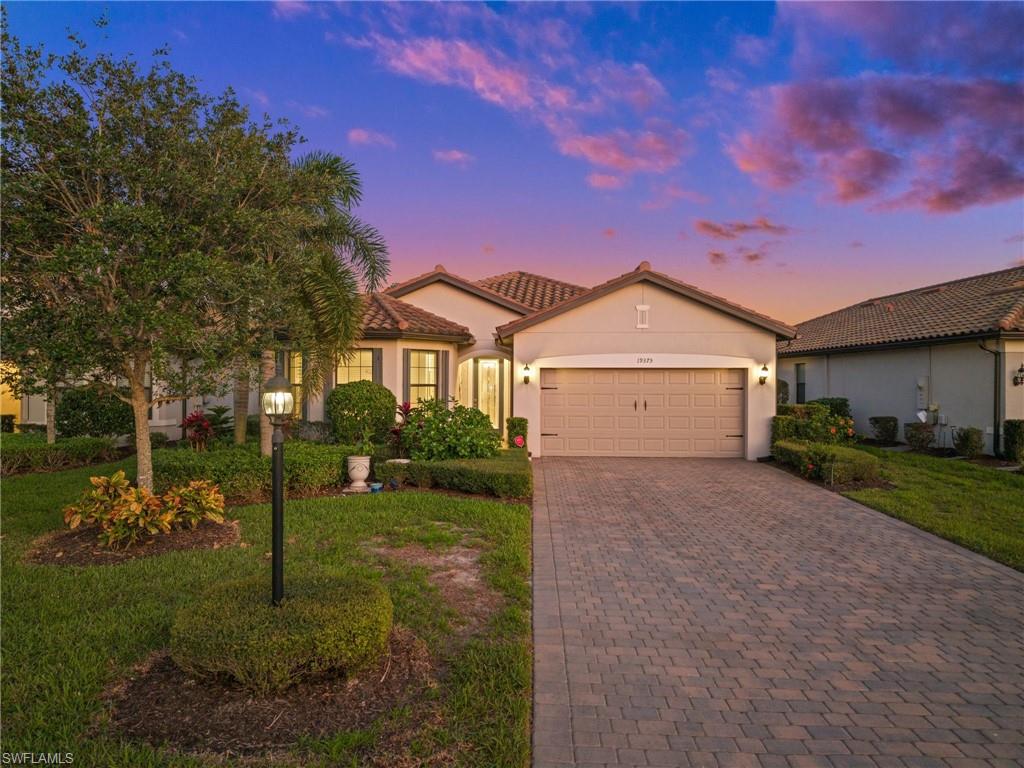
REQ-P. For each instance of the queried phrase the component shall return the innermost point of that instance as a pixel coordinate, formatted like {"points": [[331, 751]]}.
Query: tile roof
{"points": [[642, 272], [535, 291], [442, 275], [388, 317], [982, 304]]}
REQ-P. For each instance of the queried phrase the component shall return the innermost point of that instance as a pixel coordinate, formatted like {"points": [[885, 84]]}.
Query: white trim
{"points": [[482, 352], [630, 360]]}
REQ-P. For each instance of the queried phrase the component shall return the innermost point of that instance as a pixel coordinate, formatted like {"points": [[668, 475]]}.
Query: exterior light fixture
{"points": [[1018, 379], [763, 377], [526, 374], [278, 402]]}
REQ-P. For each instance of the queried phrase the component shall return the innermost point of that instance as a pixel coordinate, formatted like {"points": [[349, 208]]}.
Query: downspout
{"points": [[996, 381]]}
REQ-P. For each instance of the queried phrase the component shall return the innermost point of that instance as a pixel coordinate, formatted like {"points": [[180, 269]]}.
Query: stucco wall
{"points": [[479, 315], [1013, 397], [958, 378], [682, 334]]}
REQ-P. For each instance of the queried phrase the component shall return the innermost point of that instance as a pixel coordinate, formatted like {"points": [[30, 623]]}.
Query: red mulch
{"points": [[163, 706], [82, 546]]}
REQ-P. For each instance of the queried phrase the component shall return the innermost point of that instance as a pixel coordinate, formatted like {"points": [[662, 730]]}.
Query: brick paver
{"points": [[705, 612]]}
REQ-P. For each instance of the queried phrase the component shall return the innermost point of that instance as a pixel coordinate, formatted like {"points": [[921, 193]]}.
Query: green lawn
{"points": [[977, 507], [68, 632]]}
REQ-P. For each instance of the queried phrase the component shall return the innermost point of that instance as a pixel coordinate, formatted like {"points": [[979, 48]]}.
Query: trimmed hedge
{"points": [[832, 464], [802, 410], [361, 407], [837, 406], [7, 423], [811, 422], [33, 455], [507, 476], [885, 428], [326, 623], [243, 474], [918, 436], [516, 426], [1013, 439], [969, 441], [85, 411]]}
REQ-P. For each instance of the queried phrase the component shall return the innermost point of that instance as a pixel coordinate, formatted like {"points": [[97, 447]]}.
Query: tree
{"points": [[141, 208]]}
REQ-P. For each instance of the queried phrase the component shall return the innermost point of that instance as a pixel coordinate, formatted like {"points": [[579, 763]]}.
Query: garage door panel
{"points": [[689, 412]]}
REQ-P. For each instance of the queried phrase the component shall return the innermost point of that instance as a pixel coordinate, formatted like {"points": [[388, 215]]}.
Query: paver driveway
{"points": [[717, 612]]}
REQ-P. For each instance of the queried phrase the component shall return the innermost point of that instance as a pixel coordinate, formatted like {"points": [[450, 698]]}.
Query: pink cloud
{"points": [[488, 249], [605, 181], [453, 157], [664, 196], [369, 138], [717, 258], [856, 244], [949, 143], [313, 111], [608, 233], [656, 149], [725, 80], [730, 230], [633, 84], [752, 49], [289, 9]]}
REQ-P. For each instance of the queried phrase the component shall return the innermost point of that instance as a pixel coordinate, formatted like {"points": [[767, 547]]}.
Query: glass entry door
{"points": [[488, 389], [483, 382]]}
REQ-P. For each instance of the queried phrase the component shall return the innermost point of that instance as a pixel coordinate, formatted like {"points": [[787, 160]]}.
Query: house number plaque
{"points": [[645, 361]]}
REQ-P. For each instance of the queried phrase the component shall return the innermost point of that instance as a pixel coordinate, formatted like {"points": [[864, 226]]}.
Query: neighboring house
{"points": [[642, 365], [952, 350]]}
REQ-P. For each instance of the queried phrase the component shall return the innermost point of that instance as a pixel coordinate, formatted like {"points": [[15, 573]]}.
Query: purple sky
{"points": [[794, 158]]}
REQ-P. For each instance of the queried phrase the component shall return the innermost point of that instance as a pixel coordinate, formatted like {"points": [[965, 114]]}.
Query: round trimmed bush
{"points": [[326, 623], [85, 411], [358, 406]]}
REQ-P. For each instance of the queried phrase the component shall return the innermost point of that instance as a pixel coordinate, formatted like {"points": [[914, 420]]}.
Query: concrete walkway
{"points": [[706, 612]]}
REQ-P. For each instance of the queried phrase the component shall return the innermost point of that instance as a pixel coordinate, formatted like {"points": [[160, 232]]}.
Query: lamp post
{"points": [[278, 402]]}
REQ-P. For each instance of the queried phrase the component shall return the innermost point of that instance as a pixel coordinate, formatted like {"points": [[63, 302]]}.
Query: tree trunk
{"points": [[51, 414], [241, 404], [268, 366], [143, 447]]}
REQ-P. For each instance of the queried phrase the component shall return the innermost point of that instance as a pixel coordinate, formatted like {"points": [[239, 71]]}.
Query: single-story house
{"points": [[641, 365], [954, 351]]}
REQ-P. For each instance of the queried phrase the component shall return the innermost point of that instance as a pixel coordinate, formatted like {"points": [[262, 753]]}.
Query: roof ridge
{"points": [[1015, 314], [391, 311]]}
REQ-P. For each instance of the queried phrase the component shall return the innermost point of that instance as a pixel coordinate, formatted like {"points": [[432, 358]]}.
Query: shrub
{"points": [[86, 411], [64, 454], [252, 426], [838, 465], [1013, 439], [507, 475], [783, 428], [31, 429], [837, 406], [516, 426], [198, 430], [918, 436], [358, 407], [124, 513], [312, 432], [221, 420], [792, 453], [7, 423], [158, 439], [244, 475], [885, 428], [326, 623], [435, 432], [969, 441], [811, 422], [807, 411], [781, 392]]}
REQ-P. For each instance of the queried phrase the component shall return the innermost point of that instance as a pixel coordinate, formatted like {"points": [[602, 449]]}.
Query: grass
{"points": [[974, 506], [22, 438], [69, 632]]}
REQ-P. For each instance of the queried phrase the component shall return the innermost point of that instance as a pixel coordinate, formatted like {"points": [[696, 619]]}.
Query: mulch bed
{"points": [[82, 546], [162, 705], [879, 443]]}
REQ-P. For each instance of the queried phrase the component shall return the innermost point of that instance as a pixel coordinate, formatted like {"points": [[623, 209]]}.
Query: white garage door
{"points": [[642, 412]]}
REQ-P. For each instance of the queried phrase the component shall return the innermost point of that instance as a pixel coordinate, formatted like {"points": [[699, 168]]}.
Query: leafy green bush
{"points": [[244, 475], [783, 428], [811, 422], [86, 411], [918, 436], [837, 406], [516, 426], [125, 513], [885, 428], [435, 432], [312, 431], [969, 441], [359, 407], [158, 439], [38, 456], [792, 453], [507, 476], [806, 411], [326, 623], [252, 426], [1013, 440], [7, 423], [839, 465]]}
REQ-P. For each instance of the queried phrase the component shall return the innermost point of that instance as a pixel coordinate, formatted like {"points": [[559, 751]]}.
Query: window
{"points": [[422, 375], [358, 367], [289, 365], [801, 382]]}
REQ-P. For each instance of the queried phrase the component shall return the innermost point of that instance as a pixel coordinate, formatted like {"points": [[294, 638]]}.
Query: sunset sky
{"points": [[794, 158]]}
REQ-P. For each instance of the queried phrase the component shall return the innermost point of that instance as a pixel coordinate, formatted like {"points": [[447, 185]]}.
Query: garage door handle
{"points": [[645, 405]]}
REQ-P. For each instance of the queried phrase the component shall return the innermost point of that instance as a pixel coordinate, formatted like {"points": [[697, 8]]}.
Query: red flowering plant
{"points": [[198, 430], [839, 429]]}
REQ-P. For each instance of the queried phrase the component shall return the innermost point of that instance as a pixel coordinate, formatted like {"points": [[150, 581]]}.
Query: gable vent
{"points": [[643, 316]]}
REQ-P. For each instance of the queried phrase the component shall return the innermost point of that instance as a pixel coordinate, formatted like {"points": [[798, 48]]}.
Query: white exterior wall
{"points": [[682, 334], [958, 378]]}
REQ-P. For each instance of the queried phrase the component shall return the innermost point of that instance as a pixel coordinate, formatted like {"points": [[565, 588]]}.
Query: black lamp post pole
{"points": [[277, 548]]}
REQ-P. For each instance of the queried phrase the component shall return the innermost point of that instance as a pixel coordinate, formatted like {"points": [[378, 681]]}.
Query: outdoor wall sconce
{"points": [[526, 374], [1018, 379], [764, 375]]}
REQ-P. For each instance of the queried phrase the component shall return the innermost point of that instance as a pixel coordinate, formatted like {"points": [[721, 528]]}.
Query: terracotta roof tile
{"points": [[440, 274], [384, 315], [535, 291], [987, 303]]}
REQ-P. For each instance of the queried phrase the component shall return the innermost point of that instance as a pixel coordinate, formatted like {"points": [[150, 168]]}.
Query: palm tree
{"points": [[322, 275]]}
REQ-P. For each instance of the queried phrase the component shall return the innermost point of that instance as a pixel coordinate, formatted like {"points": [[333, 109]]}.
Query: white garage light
{"points": [[526, 374]]}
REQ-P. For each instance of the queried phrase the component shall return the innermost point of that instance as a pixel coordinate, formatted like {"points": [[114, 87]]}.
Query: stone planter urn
{"points": [[358, 471]]}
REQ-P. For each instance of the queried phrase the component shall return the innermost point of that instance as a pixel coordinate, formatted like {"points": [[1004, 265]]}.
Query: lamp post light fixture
{"points": [[278, 402], [526, 374], [763, 376]]}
